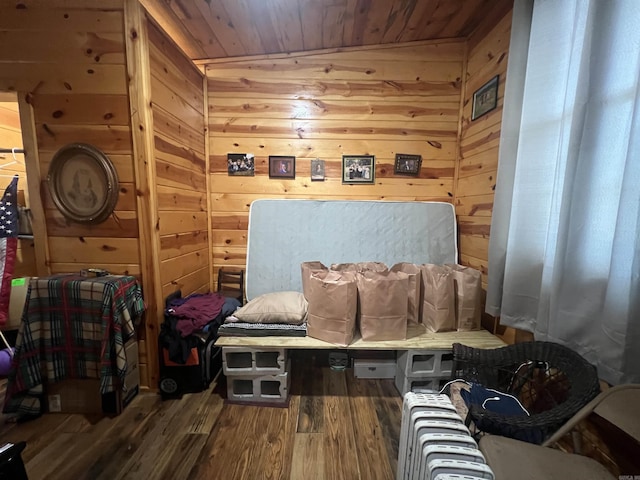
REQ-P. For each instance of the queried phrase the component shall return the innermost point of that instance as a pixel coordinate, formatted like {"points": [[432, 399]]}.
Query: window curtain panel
{"points": [[564, 252]]}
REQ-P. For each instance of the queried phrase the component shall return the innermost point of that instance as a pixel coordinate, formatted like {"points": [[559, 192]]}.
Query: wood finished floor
{"points": [[335, 427]]}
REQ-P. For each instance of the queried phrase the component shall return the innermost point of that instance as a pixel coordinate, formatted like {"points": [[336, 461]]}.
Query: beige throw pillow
{"points": [[277, 307]]}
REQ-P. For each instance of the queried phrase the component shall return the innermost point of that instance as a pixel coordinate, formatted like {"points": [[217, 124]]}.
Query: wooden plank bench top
{"points": [[417, 339]]}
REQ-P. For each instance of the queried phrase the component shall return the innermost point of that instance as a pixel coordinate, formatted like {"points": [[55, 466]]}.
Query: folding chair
{"points": [[617, 407]]}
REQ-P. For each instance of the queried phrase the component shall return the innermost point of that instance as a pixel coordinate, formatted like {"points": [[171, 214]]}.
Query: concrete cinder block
{"points": [[259, 388], [425, 363], [406, 384], [249, 361]]}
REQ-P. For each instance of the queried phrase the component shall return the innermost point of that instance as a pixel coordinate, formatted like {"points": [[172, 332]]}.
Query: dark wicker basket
{"points": [[552, 381]]}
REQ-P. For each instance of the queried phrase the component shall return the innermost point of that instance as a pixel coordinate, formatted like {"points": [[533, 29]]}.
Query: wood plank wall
{"points": [[67, 60], [488, 51], [366, 101], [177, 92], [70, 59], [11, 137]]}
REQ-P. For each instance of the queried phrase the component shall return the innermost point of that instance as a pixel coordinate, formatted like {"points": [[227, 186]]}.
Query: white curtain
{"points": [[564, 255]]}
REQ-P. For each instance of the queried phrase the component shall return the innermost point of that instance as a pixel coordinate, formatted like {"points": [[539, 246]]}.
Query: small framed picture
{"points": [[485, 98], [407, 164], [358, 168], [282, 166], [317, 170], [240, 164]]}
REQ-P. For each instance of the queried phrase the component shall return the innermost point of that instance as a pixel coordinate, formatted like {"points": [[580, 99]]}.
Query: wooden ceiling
{"points": [[207, 29]]}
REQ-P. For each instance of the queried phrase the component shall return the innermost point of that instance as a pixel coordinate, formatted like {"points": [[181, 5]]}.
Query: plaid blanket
{"points": [[72, 327]]}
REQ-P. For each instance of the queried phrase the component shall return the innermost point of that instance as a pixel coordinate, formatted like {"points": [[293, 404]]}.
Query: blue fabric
{"points": [[492, 400], [230, 305]]}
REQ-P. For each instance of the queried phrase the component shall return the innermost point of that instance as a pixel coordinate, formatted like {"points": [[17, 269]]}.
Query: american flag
{"points": [[8, 245]]}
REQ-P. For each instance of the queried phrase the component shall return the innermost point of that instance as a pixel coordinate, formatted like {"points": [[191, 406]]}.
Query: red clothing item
{"points": [[197, 311]]}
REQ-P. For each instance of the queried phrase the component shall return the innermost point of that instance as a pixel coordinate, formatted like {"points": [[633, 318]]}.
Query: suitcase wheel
{"points": [[168, 385]]}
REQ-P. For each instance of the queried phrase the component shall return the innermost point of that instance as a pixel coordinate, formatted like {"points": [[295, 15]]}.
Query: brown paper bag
{"points": [[438, 295], [468, 289], [382, 305], [372, 267], [415, 289], [306, 268], [333, 300], [359, 267], [344, 267]]}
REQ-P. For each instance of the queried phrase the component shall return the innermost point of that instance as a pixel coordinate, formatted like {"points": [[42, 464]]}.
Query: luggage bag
{"points": [[202, 365]]}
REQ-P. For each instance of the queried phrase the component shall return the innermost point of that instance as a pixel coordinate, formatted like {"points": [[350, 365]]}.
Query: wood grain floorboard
{"points": [[153, 455], [273, 445], [185, 453], [334, 427], [228, 449], [289, 437], [37, 433], [52, 457], [311, 417], [117, 438], [341, 455], [83, 439], [367, 431], [388, 405], [308, 457]]}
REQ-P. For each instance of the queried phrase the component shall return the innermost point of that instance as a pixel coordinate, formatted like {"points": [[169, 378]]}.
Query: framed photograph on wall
{"points": [[83, 183], [358, 169], [282, 166], [407, 164], [317, 170], [485, 98], [240, 164]]}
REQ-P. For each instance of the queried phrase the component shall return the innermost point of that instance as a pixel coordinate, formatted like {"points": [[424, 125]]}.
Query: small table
{"points": [[72, 327]]}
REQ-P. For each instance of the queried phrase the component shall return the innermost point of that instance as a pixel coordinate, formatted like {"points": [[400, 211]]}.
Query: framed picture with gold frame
{"points": [[83, 183]]}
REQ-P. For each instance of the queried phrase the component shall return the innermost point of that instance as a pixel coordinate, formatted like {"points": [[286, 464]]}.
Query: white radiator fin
{"points": [[435, 443]]}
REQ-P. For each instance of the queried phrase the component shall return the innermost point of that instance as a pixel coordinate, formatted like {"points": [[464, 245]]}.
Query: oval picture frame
{"points": [[83, 183]]}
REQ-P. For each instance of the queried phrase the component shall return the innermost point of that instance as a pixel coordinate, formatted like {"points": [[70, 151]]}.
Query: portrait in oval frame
{"points": [[83, 183]]}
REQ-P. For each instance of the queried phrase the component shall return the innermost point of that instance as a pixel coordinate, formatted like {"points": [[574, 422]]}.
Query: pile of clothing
{"points": [[196, 314]]}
